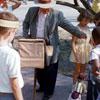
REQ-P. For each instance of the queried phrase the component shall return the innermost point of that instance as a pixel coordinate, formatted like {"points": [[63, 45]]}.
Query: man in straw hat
{"points": [[43, 21]]}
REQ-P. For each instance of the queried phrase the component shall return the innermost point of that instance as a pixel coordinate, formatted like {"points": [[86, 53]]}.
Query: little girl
{"points": [[81, 47]]}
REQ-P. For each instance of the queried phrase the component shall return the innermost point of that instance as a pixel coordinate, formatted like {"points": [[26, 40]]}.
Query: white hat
{"points": [[44, 3]]}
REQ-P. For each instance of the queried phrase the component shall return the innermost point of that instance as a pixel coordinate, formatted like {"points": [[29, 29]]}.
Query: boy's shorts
{"points": [[7, 96]]}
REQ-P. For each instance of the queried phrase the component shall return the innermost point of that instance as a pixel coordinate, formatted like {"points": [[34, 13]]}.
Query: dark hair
{"points": [[85, 14], [96, 35], [6, 16], [97, 16]]}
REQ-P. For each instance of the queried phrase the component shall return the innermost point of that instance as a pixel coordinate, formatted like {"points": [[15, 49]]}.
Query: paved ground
{"points": [[64, 83], [62, 90]]}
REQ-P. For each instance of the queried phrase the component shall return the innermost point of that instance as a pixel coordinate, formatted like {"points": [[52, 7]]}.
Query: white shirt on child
{"points": [[9, 68], [95, 54]]}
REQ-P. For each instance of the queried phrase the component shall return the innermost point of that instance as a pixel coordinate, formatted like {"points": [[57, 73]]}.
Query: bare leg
{"points": [[77, 71], [83, 68]]}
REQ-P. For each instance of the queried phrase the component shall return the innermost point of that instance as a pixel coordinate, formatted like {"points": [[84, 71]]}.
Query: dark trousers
{"points": [[7, 96], [92, 91], [47, 78]]}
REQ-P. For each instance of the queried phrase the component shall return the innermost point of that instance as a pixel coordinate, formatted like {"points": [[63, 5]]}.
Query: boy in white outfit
{"points": [[94, 61], [11, 80]]}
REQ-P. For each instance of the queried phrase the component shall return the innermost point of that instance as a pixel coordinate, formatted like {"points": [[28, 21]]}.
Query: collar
{"points": [[41, 13]]}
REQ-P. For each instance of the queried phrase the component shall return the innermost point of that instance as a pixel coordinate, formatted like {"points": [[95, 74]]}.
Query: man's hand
{"points": [[83, 36]]}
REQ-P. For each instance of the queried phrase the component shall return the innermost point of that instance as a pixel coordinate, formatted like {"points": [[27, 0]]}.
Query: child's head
{"points": [[84, 18], [8, 25], [97, 19], [96, 35]]}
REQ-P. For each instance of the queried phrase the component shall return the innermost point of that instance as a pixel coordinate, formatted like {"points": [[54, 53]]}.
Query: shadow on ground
{"points": [[62, 89], [60, 92]]}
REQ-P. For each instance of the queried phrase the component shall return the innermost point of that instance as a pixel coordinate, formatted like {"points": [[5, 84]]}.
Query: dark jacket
{"points": [[54, 19]]}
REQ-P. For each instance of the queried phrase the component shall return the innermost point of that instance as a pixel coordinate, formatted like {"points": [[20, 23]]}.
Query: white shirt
{"points": [[41, 24], [95, 54], [9, 68], [10, 9], [1, 9]]}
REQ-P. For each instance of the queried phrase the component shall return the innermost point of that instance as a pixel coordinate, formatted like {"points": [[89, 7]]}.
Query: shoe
{"points": [[39, 90], [46, 97]]}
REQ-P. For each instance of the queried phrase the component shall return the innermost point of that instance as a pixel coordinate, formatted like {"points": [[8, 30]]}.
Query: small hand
{"points": [[77, 58]]}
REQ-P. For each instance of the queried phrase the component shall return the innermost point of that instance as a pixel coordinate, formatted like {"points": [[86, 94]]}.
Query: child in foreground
{"points": [[11, 80], [94, 61]]}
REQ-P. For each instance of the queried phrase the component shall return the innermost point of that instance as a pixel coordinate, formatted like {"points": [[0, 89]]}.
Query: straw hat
{"points": [[44, 3]]}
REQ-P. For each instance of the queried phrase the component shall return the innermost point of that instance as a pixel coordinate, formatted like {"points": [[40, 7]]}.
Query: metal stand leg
{"points": [[35, 75]]}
